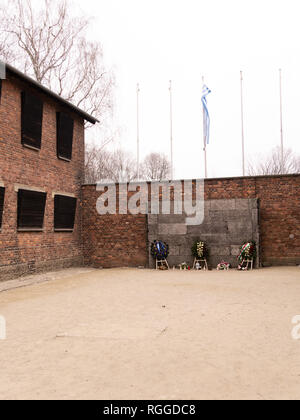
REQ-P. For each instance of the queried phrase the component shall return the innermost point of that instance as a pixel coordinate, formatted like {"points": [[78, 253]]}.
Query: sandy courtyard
{"points": [[141, 334]]}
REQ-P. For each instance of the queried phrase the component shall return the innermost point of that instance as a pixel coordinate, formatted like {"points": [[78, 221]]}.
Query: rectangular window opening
{"points": [[64, 213], [65, 129], [31, 120], [2, 193], [31, 210]]}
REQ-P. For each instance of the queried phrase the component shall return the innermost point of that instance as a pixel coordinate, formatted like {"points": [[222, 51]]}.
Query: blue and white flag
{"points": [[206, 118]]}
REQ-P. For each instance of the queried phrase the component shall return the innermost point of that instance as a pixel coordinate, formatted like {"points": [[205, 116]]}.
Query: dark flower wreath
{"points": [[199, 250], [159, 250], [248, 251]]}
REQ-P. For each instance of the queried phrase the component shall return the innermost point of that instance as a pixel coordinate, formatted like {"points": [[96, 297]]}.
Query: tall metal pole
{"points": [[281, 123], [171, 129], [204, 138], [138, 129], [242, 120]]}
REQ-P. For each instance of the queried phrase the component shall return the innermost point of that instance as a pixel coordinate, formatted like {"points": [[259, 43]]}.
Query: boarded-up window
{"points": [[31, 209], [2, 192], [32, 119], [64, 212], [65, 128]]}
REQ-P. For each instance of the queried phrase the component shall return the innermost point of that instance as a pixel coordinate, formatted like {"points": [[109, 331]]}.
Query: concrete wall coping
{"points": [[215, 179], [63, 193], [29, 188]]}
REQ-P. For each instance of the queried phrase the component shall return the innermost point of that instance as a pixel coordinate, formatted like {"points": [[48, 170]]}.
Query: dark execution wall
{"points": [[227, 224]]}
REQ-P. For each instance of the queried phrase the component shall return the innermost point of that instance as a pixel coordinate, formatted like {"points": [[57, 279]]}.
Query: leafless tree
{"points": [[156, 166], [6, 50], [96, 164], [116, 166], [49, 44], [272, 165], [122, 166]]}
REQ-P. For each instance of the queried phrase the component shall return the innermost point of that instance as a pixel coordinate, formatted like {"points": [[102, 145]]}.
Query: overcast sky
{"points": [[151, 42]]}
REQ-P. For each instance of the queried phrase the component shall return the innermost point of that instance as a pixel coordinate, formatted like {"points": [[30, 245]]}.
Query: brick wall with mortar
{"points": [[279, 222], [25, 252], [112, 240]]}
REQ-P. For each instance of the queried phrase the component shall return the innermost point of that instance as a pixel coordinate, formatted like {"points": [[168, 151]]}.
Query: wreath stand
{"points": [[201, 261], [162, 263], [245, 264]]}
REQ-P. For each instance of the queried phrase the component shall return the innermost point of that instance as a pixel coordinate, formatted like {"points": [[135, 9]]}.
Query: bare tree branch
{"points": [[117, 166], [272, 165], [49, 44], [156, 167]]}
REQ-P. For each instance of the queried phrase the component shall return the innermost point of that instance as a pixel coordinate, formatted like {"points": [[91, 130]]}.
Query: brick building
{"points": [[41, 172], [48, 217]]}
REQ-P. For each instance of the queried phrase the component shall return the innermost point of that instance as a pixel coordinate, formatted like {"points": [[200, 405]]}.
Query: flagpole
{"points": [[242, 121], [171, 129], [138, 129], [204, 138], [281, 123]]}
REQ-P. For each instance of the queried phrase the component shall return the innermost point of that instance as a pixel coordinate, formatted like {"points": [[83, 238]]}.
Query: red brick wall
{"points": [[42, 169], [111, 241], [279, 212]]}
